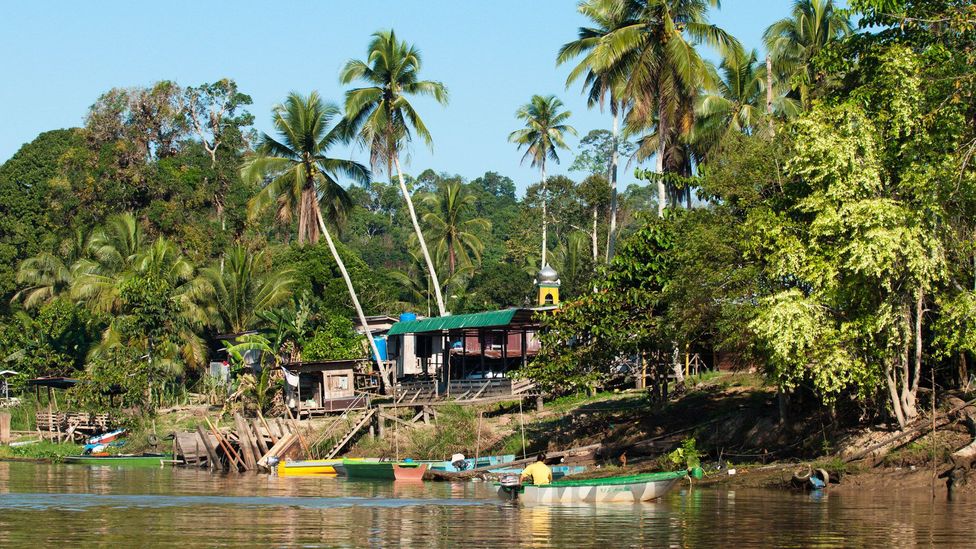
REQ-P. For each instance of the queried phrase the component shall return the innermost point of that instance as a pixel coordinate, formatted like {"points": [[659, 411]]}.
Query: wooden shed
{"points": [[324, 386]]}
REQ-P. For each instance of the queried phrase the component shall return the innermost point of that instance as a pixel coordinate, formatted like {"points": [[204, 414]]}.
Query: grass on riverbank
{"points": [[42, 450]]}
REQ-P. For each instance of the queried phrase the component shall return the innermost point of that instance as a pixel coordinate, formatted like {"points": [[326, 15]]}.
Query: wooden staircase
{"points": [[358, 426]]}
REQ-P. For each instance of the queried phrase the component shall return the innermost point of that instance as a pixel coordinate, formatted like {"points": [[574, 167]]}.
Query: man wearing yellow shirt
{"points": [[539, 473]]}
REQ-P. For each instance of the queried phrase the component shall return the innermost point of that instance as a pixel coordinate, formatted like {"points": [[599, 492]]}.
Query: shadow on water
{"points": [[55, 505]]}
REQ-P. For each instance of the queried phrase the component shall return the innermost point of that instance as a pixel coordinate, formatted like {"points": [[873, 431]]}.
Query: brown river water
{"points": [[79, 506]]}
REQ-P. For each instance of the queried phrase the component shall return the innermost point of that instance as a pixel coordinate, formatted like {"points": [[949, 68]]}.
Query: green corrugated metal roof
{"points": [[454, 322]]}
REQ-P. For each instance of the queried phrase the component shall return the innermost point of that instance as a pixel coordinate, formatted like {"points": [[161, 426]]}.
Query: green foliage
{"points": [[581, 340], [44, 449], [334, 339], [456, 431], [686, 456]]}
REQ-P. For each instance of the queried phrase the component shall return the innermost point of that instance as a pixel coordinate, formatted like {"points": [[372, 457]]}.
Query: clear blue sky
{"points": [[58, 57]]}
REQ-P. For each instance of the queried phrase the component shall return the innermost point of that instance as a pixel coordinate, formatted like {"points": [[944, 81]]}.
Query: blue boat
{"points": [[471, 463]]}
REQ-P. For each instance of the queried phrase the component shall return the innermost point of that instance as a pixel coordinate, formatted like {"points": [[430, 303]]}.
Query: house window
{"points": [[340, 383], [549, 299]]}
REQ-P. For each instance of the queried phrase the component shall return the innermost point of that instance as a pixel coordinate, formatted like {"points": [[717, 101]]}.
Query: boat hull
{"points": [[633, 489], [310, 468], [149, 460], [385, 470]]}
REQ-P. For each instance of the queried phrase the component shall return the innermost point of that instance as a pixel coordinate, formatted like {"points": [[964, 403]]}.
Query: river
{"points": [[70, 505]]}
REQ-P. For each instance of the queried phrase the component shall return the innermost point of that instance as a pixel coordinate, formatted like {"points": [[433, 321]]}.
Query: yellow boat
{"points": [[309, 468]]}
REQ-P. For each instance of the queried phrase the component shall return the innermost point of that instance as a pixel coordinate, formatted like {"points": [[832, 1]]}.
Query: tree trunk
{"points": [[545, 218], [909, 385], [893, 395], [596, 250], [769, 92], [307, 228], [420, 238], [387, 380], [451, 256], [612, 232], [662, 198]]}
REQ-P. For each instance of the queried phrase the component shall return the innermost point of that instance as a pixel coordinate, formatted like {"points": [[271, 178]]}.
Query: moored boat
{"points": [[385, 470], [308, 468], [121, 460], [471, 463], [629, 489]]}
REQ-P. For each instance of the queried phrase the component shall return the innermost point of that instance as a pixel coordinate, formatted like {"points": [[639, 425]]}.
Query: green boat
{"points": [[628, 489], [121, 460], [385, 470]]}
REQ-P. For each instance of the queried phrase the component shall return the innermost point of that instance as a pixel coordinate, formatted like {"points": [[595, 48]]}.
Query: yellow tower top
{"points": [[548, 283]]}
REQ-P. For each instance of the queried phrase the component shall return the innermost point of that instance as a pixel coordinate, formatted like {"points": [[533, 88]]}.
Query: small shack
{"points": [[470, 352], [324, 387]]}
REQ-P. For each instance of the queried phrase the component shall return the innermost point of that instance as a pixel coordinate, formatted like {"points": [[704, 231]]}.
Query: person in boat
{"points": [[538, 473], [459, 462]]}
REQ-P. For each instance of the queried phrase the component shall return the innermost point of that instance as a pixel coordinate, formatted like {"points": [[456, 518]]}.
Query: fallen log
{"points": [[964, 457], [915, 432]]}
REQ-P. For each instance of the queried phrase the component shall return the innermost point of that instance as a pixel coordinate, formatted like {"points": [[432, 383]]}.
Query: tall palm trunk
{"points": [[420, 238], [662, 197], [545, 213], [307, 229], [769, 92], [612, 232], [387, 380], [452, 256], [596, 251]]}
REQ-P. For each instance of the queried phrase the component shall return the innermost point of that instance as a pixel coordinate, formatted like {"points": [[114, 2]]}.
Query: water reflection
{"points": [[54, 505]]}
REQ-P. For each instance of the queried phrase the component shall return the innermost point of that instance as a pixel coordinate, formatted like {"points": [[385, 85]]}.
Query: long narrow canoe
{"points": [[308, 468], [629, 489], [385, 470], [121, 460]]}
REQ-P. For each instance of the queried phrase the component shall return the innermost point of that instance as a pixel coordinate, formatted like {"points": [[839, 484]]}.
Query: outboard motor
{"points": [[510, 485]]}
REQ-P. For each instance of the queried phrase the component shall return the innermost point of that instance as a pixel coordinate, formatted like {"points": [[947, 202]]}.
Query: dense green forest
{"points": [[808, 213]]}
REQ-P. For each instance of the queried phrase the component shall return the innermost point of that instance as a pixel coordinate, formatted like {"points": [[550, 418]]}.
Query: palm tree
{"points": [[49, 274], [600, 81], [545, 125], [418, 285], [456, 234], [655, 42], [383, 116], [172, 278], [302, 177], [735, 101], [794, 41], [245, 289], [111, 251]]}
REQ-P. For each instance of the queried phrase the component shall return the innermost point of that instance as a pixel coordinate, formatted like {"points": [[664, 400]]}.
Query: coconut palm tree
{"points": [[49, 274], [794, 41], [655, 41], [601, 81], [543, 134], [245, 288], [453, 231], [111, 251], [736, 99], [162, 288], [383, 117], [302, 177], [417, 284]]}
